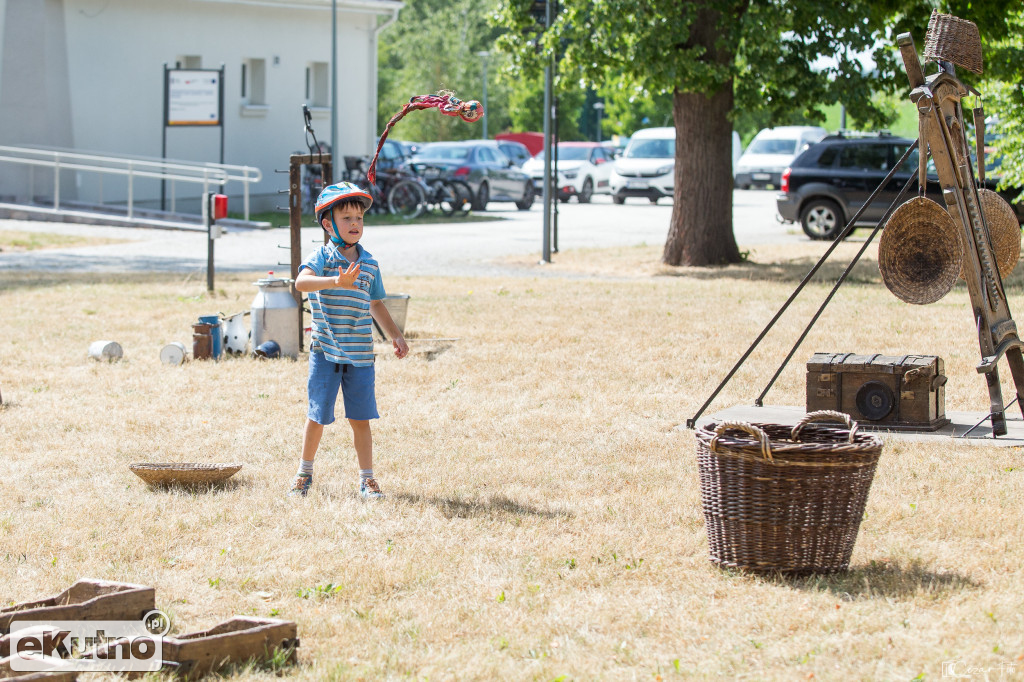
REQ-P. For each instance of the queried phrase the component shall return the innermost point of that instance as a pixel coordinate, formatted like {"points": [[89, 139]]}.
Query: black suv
{"points": [[830, 181]]}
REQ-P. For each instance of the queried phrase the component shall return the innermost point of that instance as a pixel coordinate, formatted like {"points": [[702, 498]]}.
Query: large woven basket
{"points": [[785, 499], [1004, 230], [952, 39], [183, 473], [920, 253]]}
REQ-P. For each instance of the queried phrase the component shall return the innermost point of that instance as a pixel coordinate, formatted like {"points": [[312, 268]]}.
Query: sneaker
{"points": [[301, 484], [369, 490]]}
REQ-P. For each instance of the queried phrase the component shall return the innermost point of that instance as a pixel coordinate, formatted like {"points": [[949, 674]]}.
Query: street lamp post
{"points": [[599, 106], [484, 54]]}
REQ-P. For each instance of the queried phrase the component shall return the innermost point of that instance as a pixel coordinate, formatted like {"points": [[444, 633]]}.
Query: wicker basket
{"points": [[183, 473], [952, 39], [785, 499], [1004, 230], [920, 254]]}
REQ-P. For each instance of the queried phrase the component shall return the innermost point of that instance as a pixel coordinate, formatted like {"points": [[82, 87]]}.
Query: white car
{"points": [[646, 167], [770, 153], [584, 169]]}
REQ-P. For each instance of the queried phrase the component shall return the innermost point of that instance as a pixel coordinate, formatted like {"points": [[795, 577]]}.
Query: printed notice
{"points": [[193, 98]]}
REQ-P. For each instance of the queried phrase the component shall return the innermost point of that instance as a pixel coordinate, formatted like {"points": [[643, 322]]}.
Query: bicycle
{"points": [[396, 191], [451, 196]]}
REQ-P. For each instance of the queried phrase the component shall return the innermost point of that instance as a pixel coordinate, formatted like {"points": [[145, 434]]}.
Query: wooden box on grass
{"points": [[898, 392], [238, 640], [87, 599]]}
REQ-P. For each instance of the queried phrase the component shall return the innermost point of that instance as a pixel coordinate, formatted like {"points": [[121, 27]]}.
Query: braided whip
{"points": [[470, 111]]}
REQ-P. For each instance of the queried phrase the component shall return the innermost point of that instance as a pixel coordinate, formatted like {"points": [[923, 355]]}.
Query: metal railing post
{"points": [[56, 182], [131, 187], [245, 195], [174, 196]]}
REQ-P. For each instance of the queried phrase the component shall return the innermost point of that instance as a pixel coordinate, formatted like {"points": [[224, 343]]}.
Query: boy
{"points": [[345, 291]]}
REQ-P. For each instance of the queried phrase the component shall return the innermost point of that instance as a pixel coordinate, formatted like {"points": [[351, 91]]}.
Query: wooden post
{"points": [[296, 162], [941, 126]]}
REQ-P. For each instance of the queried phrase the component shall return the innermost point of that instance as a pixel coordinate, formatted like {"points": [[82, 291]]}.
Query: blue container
{"points": [[217, 332], [268, 349]]}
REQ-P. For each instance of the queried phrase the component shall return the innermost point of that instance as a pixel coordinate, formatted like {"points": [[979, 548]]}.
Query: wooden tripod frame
{"points": [[941, 133]]}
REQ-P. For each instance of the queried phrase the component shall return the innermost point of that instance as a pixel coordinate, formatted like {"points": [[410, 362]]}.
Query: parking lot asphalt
{"points": [[448, 249]]}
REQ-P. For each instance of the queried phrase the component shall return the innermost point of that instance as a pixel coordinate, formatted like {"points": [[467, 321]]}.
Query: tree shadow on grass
{"points": [[795, 269], [496, 506], [882, 579], [865, 272]]}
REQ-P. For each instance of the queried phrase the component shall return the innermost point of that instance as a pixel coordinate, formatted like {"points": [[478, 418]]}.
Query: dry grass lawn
{"points": [[543, 518]]}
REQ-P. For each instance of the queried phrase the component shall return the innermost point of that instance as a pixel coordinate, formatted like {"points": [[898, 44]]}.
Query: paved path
{"points": [[460, 248]]}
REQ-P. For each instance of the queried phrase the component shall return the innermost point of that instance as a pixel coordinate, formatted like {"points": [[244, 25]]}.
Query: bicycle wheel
{"points": [[406, 199], [446, 197], [464, 197]]}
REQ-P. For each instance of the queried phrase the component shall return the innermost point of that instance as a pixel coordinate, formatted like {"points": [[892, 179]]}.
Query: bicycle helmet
{"points": [[331, 195]]}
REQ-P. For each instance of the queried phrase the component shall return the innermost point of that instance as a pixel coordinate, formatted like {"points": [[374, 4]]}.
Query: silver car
{"points": [[490, 174]]}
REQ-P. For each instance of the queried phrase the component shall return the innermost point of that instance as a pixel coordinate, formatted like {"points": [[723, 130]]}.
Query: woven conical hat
{"points": [[1004, 230], [919, 254]]}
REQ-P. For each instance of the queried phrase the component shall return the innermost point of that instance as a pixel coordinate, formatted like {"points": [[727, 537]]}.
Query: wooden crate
{"points": [[56, 675], [902, 392], [237, 640], [87, 599]]}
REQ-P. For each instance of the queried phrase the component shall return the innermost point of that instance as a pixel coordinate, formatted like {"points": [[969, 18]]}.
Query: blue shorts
{"points": [[355, 383]]}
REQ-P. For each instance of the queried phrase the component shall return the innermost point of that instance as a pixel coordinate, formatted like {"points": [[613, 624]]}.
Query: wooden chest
{"points": [[884, 391]]}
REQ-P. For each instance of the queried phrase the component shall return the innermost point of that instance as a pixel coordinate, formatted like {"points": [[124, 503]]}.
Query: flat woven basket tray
{"points": [[185, 473]]}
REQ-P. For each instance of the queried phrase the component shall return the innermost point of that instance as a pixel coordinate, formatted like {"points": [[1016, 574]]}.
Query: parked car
{"points": [[829, 182], [516, 151], [770, 152], [490, 174], [409, 148], [647, 166], [584, 169], [392, 155]]}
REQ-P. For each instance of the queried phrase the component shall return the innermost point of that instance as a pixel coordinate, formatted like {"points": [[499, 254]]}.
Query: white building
{"points": [[88, 75]]}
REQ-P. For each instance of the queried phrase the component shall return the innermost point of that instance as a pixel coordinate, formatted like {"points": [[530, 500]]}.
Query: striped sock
{"points": [[365, 474], [306, 466]]}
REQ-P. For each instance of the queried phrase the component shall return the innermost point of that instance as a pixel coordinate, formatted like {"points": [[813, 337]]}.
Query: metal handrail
{"points": [[132, 167], [249, 175]]}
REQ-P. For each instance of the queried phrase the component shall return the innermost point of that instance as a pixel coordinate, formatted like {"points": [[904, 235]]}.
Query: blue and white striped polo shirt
{"points": [[342, 326]]}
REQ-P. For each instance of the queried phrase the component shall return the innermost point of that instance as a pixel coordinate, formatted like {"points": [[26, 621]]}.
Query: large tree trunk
{"points": [[701, 229]]}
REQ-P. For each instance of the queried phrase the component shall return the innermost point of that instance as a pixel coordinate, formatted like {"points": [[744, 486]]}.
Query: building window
{"points": [[254, 82], [188, 61], [318, 81]]}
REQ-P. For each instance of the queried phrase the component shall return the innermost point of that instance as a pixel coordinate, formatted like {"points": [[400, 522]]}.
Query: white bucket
{"points": [[105, 350], [173, 353]]}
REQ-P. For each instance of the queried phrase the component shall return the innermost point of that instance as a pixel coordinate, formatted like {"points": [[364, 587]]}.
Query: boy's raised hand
{"points": [[347, 279]]}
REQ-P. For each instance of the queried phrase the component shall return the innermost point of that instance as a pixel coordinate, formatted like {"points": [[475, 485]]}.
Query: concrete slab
{"points": [[960, 423]]}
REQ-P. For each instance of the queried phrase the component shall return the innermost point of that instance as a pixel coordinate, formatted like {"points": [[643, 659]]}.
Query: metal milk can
{"points": [[275, 315]]}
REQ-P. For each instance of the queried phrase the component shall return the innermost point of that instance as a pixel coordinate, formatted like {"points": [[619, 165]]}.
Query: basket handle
{"points": [[824, 416], [760, 435]]}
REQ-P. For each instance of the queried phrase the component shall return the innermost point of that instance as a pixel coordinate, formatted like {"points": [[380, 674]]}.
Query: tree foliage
{"points": [[777, 59], [1004, 100], [433, 46]]}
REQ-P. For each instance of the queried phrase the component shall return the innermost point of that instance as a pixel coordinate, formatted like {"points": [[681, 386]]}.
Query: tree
{"points": [[717, 57], [433, 46], [1004, 95]]}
